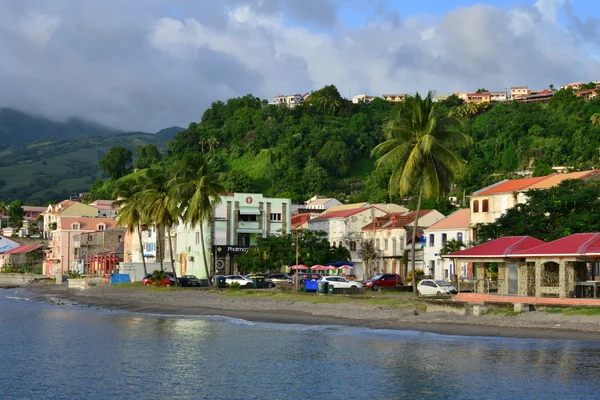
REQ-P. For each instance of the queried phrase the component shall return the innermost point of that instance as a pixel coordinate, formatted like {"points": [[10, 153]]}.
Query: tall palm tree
{"points": [[196, 189], [420, 147], [130, 210], [160, 206]]}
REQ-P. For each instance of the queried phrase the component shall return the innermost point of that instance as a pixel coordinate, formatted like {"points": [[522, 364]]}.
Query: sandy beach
{"points": [[354, 312]]}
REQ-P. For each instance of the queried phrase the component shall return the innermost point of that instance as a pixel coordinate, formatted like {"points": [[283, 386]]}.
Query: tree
{"points": [[482, 90], [131, 213], [315, 179], [16, 215], [146, 156], [117, 162], [421, 147], [2, 210], [454, 101], [451, 246], [196, 189], [368, 253], [240, 181], [595, 119]]}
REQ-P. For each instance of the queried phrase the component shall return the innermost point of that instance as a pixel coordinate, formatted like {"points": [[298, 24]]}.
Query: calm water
{"points": [[70, 352]]}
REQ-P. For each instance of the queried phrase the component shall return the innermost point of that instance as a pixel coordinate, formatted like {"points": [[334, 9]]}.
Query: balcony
{"points": [[248, 227]]}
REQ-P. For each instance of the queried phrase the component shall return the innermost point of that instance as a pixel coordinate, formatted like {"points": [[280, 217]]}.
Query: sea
{"points": [[71, 351]]}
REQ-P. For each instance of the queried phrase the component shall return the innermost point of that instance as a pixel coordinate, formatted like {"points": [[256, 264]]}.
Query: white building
{"points": [[363, 98], [321, 203], [290, 100], [344, 227], [454, 226], [498, 96]]}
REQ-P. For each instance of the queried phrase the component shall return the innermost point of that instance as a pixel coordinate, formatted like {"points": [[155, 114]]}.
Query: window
{"points": [[377, 244], [197, 237], [385, 244], [352, 245], [276, 217], [248, 217], [75, 227], [459, 237], [431, 240], [476, 206], [401, 243], [394, 246], [444, 237], [485, 206], [101, 227], [333, 244], [150, 246], [244, 239]]}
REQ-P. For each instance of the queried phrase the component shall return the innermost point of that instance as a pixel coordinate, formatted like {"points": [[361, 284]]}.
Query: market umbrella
{"points": [[346, 267], [298, 266], [318, 267], [330, 268]]}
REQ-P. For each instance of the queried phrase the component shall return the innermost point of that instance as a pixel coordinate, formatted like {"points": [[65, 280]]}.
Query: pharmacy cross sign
{"points": [[249, 200]]}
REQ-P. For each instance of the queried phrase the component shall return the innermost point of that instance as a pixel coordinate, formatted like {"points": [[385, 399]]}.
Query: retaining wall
{"points": [[16, 280]]}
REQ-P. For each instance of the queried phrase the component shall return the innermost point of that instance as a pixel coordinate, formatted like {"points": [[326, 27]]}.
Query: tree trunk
{"points": [[159, 248], [414, 238], [139, 229], [172, 258], [204, 253]]}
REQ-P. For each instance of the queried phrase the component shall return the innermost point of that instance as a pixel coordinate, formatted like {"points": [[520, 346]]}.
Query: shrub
{"points": [[234, 286], [418, 272]]}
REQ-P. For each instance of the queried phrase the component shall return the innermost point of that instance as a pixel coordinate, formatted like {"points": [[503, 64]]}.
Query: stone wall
{"points": [[14, 280]]}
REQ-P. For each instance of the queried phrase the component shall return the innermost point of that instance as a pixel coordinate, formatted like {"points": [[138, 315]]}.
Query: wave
{"points": [[18, 298]]}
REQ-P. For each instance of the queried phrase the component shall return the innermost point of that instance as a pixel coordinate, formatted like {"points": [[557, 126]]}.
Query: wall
{"points": [[12, 280]]}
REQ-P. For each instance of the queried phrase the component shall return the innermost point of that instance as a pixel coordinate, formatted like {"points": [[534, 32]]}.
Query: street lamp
{"points": [[296, 273]]}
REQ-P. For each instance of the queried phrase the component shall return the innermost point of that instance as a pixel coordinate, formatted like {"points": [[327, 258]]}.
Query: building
{"points": [[488, 204], [66, 208], [479, 98], [106, 208], [61, 256], [300, 220], [454, 226], [498, 96], [394, 98], [588, 94], [363, 98], [441, 97], [541, 96], [392, 234], [238, 221], [21, 256], [462, 95], [517, 92], [344, 228], [321, 203], [573, 86], [7, 244], [291, 100], [99, 252]]}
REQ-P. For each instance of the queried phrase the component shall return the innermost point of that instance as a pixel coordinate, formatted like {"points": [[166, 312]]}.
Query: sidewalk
{"points": [[478, 298]]}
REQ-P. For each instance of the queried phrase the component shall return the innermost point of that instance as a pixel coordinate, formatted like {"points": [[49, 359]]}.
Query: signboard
{"points": [[222, 250]]}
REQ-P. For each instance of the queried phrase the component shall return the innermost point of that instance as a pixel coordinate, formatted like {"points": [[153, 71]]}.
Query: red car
{"points": [[165, 282], [384, 280]]}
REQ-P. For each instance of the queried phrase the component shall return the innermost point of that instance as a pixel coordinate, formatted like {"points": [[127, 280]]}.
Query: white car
{"points": [[242, 280], [339, 282], [431, 287]]}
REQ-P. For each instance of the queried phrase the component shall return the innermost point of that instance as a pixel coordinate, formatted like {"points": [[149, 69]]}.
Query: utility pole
{"points": [[296, 274]]}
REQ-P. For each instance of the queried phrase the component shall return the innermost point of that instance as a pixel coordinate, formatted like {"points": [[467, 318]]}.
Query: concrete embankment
{"points": [[17, 280]]}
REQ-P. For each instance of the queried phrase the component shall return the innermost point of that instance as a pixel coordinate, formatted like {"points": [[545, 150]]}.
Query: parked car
{"points": [[384, 280], [279, 279], [189, 281], [341, 282], [431, 287], [242, 280], [165, 282], [268, 283]]}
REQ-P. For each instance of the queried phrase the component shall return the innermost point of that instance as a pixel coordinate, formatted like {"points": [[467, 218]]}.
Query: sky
{"points": [[147, 65]]}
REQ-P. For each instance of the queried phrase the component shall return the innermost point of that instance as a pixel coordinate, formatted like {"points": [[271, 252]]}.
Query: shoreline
{"points": [[533, 325]]}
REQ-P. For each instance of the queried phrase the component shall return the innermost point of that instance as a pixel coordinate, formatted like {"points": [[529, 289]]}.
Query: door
{"points": [[513, 278]]}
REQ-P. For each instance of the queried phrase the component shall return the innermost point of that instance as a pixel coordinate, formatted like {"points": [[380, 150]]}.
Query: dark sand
{"points": [[535, 325]]}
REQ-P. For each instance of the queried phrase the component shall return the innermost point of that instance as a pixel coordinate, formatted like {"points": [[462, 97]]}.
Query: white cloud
{"points": [[151, 65]]}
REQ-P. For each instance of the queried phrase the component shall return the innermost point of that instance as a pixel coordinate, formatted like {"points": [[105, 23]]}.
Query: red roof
{"points": [[578, 244], [394, 220], [509, 186], [22, 249], [300, 219], [499, 248], [340, 214]]}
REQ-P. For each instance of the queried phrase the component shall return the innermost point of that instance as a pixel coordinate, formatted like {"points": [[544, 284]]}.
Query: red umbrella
{"points": [[318, 267], [330, 268], [299, 266], [346, 267]]}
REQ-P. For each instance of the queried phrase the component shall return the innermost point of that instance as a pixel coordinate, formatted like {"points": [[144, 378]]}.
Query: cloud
{"points": [[147, 66]]}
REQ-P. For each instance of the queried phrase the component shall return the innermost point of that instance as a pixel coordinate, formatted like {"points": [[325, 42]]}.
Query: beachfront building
{"points": [[237, 223], [392, 234], [99, 252], [61, 257], [454, 226], [66, 208], [344, 228], [20, 256]]}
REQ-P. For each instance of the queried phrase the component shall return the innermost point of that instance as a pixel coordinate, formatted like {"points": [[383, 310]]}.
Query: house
{"points": [[7, 244], [99, 252], [541, 96], [392, 234], [391, 208], [300, 220], [441, 97], [489, 203], [22, 255], [454, 226], [106, 208], [498, 96], [30, 219], [517, 92], [67, 208], [61, 256], [394, 98], [479, 98], [588, 94], [344, 228], [462, 95], [363, 98], [573, 86], [290, 100], [321, 203], [351, 206]]}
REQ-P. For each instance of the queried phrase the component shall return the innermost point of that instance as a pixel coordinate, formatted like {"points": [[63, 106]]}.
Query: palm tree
{"points": [[160, 205], [197, 190], [595, 119], [451, 246], [130, 212], [212, 143], [420, 147]]}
